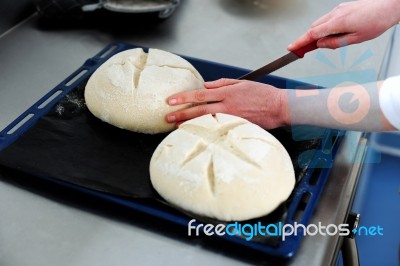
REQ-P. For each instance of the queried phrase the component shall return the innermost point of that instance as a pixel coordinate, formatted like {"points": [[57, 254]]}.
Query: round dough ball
{"points": [[222, 167], [130, 89]]}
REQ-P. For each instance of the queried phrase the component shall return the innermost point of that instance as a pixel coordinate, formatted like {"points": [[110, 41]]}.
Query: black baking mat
{"points": [[70, 144], [64, 142]]}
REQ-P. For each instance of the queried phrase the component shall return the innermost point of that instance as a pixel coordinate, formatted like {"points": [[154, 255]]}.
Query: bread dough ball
{"points": [[222, 167], [130, 89]]}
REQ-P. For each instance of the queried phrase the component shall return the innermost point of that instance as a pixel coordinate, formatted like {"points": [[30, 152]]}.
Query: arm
{"points": [[350, 23], [354, 107]]}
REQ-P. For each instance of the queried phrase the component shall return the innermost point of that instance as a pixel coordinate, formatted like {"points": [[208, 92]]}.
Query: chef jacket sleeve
{"points": [[389, 100]]}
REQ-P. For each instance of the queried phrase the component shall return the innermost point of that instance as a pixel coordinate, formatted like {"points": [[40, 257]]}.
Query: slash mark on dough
{"points": [[200, 147], [211, 176]]}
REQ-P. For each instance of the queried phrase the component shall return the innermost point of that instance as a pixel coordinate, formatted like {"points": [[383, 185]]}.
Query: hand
{"points": [[350, 23], [259, 103]]}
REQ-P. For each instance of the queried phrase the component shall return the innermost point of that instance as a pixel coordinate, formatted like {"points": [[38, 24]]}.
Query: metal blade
{"points": [[271, 67]]}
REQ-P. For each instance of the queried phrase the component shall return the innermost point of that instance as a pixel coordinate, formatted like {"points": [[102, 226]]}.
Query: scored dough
{"points": [[222, 167], [130, 89]]}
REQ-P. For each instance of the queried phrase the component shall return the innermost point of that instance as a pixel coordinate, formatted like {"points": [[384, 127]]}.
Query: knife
{"points": [[280, 62]]}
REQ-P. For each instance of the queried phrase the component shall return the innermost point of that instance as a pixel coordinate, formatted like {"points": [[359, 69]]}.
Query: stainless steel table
{"points": [[38, 228]]}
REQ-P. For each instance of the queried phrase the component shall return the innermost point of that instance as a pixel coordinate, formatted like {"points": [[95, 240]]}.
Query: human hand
{"points": [[259, 103], [350, 23]]}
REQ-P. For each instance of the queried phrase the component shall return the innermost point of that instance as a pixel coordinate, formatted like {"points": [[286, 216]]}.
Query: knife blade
{"points": [[280, 62]]}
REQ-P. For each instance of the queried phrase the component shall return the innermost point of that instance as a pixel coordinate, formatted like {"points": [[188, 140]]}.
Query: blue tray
{"points": [[302, 202]]}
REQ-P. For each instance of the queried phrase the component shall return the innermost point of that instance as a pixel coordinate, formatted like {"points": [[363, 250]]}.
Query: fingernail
{"points": [[172, 101], [171, 118], [290, 46]]}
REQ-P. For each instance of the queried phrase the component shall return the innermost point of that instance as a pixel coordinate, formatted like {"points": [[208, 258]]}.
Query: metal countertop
{"points": [[37, 228]]}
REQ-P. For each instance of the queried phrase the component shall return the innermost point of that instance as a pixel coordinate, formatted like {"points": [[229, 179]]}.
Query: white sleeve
{"points": [[389, 100]]}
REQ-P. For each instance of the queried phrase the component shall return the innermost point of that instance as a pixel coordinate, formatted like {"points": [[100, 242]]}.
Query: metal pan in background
{"points": [[59, 10]]}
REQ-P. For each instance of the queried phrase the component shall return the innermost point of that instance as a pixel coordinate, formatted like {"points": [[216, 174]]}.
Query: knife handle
{"points": [[305, 49]]}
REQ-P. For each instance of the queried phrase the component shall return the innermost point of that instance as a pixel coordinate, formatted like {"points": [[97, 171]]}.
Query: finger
{"points": [[316, 33], [302, 41], [322, 19], [334, 14], [197, 96], [337, 41], [220, 83], [196, 111]]}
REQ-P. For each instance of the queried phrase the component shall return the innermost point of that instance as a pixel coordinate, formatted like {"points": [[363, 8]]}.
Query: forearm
{"points": [[352, 107]]}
